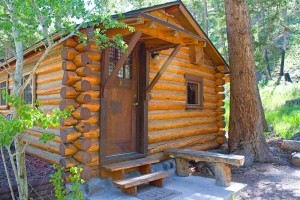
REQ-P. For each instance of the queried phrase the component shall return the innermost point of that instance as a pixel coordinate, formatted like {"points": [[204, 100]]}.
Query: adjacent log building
{"points": [[167, 93]]}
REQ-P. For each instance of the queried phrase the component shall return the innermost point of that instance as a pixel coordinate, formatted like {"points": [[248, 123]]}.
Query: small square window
{"points": [[194, 91], [29, 90]]}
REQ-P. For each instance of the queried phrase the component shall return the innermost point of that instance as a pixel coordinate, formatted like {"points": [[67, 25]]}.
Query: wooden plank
{"points": [[123, 58], [223, 174], [197, 156], [131, 182], [129, 164], [163, 68]]}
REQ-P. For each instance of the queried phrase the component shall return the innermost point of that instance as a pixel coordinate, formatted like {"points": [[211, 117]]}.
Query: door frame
{"points": [[142, 108]]}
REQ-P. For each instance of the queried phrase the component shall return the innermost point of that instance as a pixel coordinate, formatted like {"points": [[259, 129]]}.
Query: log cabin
{"points": [[165, 92]]}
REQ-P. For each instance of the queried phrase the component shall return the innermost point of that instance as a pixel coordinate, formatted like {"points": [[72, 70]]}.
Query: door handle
{"points": [[135, 104]]}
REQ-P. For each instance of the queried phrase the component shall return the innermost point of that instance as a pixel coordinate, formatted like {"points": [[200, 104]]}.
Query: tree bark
{"points": [[246, 130]]}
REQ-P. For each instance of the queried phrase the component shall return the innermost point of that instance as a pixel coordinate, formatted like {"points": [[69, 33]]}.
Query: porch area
{"points": [[175, 188]]}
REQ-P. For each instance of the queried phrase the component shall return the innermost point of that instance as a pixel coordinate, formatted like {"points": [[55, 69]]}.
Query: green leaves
{"points": [[26, 117]]}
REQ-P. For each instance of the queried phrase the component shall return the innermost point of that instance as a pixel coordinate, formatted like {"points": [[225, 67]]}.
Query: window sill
{"points": [[189, 107]]}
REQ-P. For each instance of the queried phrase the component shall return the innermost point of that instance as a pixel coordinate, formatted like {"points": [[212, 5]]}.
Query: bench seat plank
{"points": [[129, 164], [147, 178], [206, 156]]}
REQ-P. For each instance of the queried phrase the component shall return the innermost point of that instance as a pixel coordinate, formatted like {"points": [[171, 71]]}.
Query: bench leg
{"points": [[223, 174], [104, 173], [117, 175], [130, 191], [182, 167], [146, 169], [157, 183]]}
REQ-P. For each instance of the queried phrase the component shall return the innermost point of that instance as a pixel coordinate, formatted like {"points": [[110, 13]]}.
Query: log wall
{"points": [[170, 124], [48, 85], [81, 90]]}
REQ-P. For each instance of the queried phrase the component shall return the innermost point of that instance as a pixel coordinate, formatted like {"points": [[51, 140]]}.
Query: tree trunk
{"points": [[246, 130], [268, 69], [281, 73], [205, 15]]}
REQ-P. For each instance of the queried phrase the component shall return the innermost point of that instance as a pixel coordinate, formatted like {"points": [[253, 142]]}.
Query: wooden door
{"points": [[122, 109]]}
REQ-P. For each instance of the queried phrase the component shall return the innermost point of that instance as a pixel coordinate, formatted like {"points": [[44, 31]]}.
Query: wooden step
{"points": [[129, 185], [129, 164], [117, 170]]}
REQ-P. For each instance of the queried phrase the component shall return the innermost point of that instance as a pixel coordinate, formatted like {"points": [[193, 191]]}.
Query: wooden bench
{"points": [[117, 170], [129, 185], [222, 166]]}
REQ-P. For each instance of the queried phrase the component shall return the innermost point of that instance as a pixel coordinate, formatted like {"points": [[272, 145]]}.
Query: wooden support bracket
{"points": [[163, 68]]}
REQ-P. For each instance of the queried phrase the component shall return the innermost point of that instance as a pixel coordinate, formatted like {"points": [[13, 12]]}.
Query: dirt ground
{"points": [[266, 181]]}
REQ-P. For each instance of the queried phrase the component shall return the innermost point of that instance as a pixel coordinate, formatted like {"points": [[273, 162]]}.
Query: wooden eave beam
{"points": [[163, 68], [123, 58], [170, 25]]}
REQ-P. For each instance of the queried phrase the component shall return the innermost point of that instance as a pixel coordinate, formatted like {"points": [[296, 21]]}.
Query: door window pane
{"points": [[115, 54]]}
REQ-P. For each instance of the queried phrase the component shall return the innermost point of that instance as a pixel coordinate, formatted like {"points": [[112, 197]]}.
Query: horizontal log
{"points": [[70, 42], [93, 133], [160, 105], [68, 65], [220, 118], [82, 47], [220, 103], [83, 71], [68, 121], [221, 111], [83, 156], [290, 145], [220, 82], [82, 60], [83, 127], [93, 106], [176, 96], [84, 98], [50, 102], [180, 70], [34, 141], [68, 93], [38, 132], [221, 133], [180, 143], [169, 77], [81, 113], [68, 53], [83, 143], [94, 119], [69, 78], [94, 79], [94, 67], [220, 89], [164, 115], [204, 147], [221, 68], [67, 149], [95, 56], [93, 94], [67, 103], [219, 75], [164, 135], [44, 155], [95, 159], [227, 78], [95, 146], [221, 140], [69, 162], [54, 90], [82, 86], [68, 135], [179, 123], [221, 124], [220, 96], [49, 68], [209, 106]]}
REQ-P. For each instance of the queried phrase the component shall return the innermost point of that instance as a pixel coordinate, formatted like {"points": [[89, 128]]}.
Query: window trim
{"points": [[33, 90], [5, 107], [198, 80]]}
